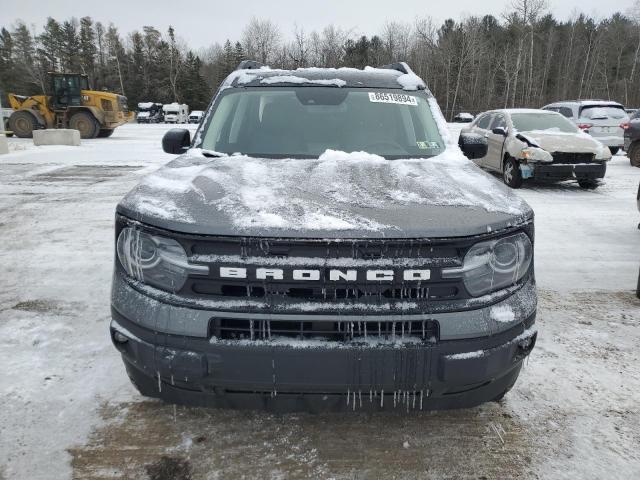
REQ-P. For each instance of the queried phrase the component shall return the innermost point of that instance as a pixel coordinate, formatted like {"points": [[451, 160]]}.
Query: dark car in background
{"points": [[632, 139], [463, 117]]}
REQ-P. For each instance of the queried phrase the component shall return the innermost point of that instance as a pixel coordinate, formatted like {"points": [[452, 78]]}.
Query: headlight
{"points": [[154, 260], [494, 265], [604, 154], [533, 154]]}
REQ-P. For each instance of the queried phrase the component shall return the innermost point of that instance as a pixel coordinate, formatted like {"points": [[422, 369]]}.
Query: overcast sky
{"points": [[203, 22]]}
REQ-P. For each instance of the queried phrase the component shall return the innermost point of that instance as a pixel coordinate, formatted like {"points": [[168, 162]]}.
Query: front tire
{"points": [[511, 174], [634, 155], [614, 150], [22, 124], [588, 184], [86, 124]]}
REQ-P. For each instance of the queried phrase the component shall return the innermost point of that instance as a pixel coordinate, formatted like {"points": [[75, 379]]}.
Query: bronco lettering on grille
{"points": [[315, 275]]}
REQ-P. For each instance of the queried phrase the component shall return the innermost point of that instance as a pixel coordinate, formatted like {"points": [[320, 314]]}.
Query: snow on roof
{"points": [[344, 76], [586, 103], [411, 81], [299, 80], [145, 105], [527, 110], [597, 103]]}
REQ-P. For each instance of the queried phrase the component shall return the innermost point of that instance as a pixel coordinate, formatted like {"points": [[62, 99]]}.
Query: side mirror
{"points": [[500, 131], [473, 145], [176, 141]]}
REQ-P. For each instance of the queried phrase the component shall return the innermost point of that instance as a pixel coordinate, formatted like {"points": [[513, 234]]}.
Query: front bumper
{"points": [[582, 171], [458, 374], [117, 118], [467, 366]]}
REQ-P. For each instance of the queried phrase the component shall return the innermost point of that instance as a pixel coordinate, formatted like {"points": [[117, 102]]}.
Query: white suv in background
{"points": [[601, 119]]}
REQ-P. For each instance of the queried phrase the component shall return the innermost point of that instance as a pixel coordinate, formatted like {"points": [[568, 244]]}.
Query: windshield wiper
{"points": [[212, 154]]}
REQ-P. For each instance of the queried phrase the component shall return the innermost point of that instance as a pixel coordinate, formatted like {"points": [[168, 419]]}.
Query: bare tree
{"points": [[396, 37], [332, 42], [261, 39], [635, 14], [468, 49], [299, 48]]}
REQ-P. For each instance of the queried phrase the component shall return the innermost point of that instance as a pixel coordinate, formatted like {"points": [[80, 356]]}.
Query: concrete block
{"points": [[61, 136], [4, 145]]}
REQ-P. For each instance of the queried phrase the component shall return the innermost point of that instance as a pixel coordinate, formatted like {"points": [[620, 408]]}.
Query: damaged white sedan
{"points": [[541, 145]]}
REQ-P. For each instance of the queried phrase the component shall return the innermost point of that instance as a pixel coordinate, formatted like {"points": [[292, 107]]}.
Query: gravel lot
{"points": [[70, 412]]}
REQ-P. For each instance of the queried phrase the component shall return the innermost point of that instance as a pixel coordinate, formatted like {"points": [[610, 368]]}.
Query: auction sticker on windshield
{"points": [[398, 98]]}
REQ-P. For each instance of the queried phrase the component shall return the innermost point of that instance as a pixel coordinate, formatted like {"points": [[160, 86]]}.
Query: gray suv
{"points": [[323, 244], [602, 119]]}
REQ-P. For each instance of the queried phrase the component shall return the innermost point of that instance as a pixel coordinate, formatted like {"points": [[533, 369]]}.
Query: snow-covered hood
{"points": [[143, 114], [338, 195], [555, 141]]}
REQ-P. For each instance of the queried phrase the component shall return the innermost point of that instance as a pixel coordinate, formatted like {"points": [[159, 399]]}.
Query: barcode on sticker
{"points": [[398, 98]]}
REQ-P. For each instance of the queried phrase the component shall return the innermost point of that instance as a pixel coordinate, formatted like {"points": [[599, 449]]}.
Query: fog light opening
{"points": [[120, 338]]}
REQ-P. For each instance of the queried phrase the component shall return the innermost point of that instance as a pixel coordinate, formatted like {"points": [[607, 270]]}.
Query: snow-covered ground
{"points": [[70, 411]]}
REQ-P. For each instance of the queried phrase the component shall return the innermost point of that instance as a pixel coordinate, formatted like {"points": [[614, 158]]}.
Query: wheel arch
{"points": [[510, 144], [37, 116]]}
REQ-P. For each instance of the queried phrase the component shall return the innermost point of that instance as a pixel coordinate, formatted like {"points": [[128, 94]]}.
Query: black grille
{"points": [[324, 256], [572, 158], [339, 331], [440, 290]]}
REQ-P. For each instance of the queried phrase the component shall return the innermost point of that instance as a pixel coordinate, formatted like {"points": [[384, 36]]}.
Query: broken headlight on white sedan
{"points": [[534, 154], [494, 265], [157, 261]]}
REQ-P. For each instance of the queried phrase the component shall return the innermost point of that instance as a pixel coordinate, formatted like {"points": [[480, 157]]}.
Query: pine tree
{"points": [[175, 64], [116, 55], [193, 88], [50, 45], [70, 47], [101, 53], [229, 58], [239, 54], [25, 63], [88, 48], [8, 79], [136, 82]]}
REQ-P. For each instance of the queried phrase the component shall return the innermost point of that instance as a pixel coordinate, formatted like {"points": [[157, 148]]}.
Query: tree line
{"points": [[524, 58]]}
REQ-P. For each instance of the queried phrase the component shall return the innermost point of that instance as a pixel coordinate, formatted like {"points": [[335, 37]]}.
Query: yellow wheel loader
{"points": [[69, 104]]}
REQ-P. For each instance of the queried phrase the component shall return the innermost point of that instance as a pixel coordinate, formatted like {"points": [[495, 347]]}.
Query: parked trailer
{"points": [[150, 112], [176, 113]]}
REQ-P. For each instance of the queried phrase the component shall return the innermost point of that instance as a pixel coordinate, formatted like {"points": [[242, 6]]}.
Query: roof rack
{"points": [[249, 65], [401, 67]]}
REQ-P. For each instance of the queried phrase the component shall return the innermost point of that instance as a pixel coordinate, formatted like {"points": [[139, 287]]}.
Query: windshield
{"points": [[603, 112], [304, 122], [529, 122]]}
